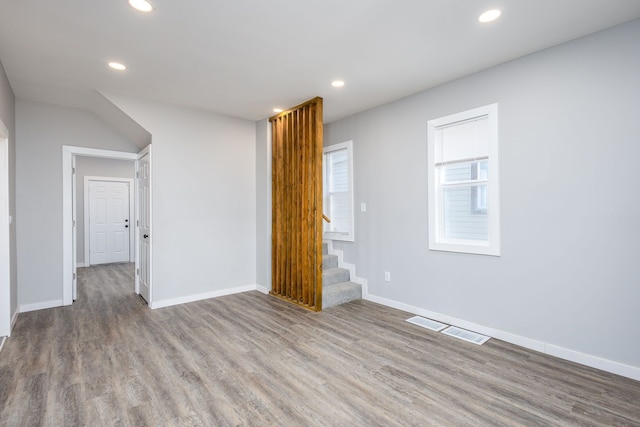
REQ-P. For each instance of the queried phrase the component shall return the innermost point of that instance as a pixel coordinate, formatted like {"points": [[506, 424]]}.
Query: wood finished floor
{"points": [[254, 360]]}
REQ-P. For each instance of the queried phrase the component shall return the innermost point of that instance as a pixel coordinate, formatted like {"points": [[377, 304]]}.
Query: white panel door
{"points": [[144, 225], [108, 222]]}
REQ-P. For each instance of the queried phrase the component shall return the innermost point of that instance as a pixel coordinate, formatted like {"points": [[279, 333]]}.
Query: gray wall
{"points": [[569, 150], [263, 204], [7, 114], [42, 131], [203, 200], [94, 166]]}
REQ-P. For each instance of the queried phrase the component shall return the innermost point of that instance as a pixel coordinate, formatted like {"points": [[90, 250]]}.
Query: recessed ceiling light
{"points": [[117, 66], [277, 110], [141, 5], [489, 15], [337, 83]]}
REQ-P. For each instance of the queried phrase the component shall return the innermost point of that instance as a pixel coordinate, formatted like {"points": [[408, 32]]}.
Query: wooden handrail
{"points": [[326, 218]]}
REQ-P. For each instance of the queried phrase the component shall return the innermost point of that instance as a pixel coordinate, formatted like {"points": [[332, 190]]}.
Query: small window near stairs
{"points": [[337, 173]]}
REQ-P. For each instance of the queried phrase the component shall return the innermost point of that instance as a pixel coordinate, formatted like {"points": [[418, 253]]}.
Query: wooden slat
{"points": [[296, 236], [318, 129], [288, 260], [289, 208], [309, 186], [306, 142]]}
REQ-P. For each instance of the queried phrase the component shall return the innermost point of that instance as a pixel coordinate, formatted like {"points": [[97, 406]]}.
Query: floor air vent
{"points": [[463, 334], [427, 323]]}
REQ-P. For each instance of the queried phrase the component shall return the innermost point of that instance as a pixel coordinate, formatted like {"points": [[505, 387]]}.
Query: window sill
{"points": [[338, 236], [466, 248]]}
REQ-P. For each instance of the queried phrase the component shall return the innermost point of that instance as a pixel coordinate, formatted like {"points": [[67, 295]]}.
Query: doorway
{"points": [[70, 223]]}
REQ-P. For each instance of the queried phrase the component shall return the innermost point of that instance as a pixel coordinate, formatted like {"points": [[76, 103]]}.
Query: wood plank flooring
{"points": [[253, 360]]}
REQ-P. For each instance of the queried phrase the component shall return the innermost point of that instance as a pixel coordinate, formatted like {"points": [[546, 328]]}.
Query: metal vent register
{"points": [[427, 323], [463, 334], [452, 331]]}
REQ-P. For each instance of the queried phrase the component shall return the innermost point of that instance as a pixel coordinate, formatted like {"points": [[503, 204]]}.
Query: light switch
{"points": [[363, 207]]}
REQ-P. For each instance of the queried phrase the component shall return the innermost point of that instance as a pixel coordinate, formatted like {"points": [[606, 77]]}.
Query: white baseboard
{"points": [[41, 305], [13, 323], [546, 348], [594, 361], [80, 264], [199, 297], [14, 318], [262, 289]]}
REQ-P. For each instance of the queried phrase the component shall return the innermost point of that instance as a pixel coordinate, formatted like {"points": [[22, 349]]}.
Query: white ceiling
{"points": [[245, 57]]}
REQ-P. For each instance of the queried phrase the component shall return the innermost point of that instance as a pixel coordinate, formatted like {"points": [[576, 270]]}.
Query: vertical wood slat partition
{"points": [[296, 245]]}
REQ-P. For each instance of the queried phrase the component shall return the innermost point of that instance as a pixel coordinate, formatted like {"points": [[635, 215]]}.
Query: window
{"points": [[463, 182], [337, 173]]}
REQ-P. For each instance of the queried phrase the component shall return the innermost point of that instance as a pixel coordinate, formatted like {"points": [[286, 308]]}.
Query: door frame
{"points": [[5, 237], [87, 180], [69, 256]]}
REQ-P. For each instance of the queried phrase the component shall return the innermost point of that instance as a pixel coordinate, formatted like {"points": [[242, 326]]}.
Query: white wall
{"points": [[42, 130], [263, 204], [95, 166], [204, 200], [7, 115], [569, 150]]}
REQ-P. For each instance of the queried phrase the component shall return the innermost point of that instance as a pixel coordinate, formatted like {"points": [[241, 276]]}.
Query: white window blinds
{"points": [[462, 141], [338, 191]]}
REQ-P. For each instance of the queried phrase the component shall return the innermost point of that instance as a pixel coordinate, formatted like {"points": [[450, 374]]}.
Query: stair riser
{"points": [[329, 261], [335, 275], [351, 292]]}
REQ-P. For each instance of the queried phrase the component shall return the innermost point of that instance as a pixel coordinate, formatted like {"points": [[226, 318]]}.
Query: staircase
{"points": [[336, 285]]}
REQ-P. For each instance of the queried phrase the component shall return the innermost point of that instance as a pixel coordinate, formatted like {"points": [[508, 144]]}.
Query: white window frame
{"points": [[330, 235], [437, 241]]}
